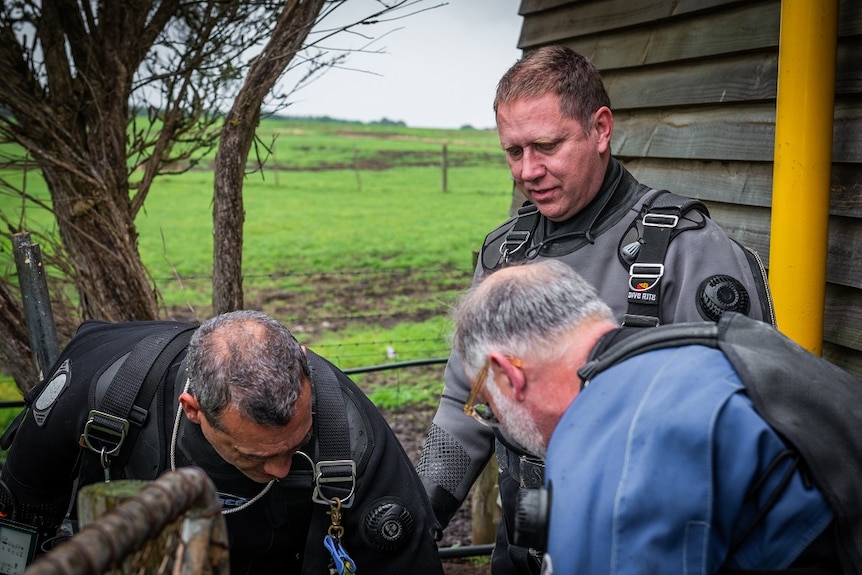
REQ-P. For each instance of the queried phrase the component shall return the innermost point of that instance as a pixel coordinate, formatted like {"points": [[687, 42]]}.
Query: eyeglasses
{"points": [[482, 412]]}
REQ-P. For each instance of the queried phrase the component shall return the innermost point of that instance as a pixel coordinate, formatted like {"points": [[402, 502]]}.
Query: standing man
{"points": [[661, 463], [655, 257], [309, 473]]}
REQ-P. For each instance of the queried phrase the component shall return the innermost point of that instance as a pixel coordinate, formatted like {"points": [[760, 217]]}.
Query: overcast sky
{"points": [[438, 69]]}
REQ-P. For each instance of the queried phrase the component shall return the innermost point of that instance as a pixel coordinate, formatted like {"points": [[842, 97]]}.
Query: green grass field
{"points": [[349, 239]]}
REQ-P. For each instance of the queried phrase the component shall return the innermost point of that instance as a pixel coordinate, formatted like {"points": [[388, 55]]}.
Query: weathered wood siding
{"points": [[693, 85]]}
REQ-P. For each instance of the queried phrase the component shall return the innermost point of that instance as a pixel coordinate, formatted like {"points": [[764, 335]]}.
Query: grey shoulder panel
{"points": [[491, 255]]}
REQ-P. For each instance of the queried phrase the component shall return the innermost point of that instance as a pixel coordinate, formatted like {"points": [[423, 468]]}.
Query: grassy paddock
{"points": [[337, 202]]}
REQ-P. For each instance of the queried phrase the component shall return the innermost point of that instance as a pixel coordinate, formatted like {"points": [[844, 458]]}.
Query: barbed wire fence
{"points": [[354, 318], [315, 303]]}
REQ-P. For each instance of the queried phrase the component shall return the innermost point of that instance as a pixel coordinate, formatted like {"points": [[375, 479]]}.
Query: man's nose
{"points": [[278, 466], [532, 166]]}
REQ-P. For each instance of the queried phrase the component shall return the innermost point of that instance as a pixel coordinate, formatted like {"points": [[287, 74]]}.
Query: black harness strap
{"points": [[660, 221], [517, 241], [335, 466], [638, 342], [330, 419], [129, 395], [661, 216]]}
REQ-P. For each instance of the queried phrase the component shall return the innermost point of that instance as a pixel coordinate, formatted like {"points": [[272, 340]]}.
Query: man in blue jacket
{"points": [[659, 464], [655, 257]]}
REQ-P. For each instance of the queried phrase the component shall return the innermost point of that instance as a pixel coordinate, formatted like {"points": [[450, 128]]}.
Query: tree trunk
{"points": [[293, 25], [15, 351], [101, 243]]}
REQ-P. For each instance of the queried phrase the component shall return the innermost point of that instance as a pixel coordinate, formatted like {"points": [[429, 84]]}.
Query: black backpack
{"points": [[815, 406]]}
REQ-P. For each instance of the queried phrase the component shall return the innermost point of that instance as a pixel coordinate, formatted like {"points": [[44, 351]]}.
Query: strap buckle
{"points": [[104, 430], [327, 473], [517, 238], [531, 471], [632, 320], [650, 273], [660, 220]]}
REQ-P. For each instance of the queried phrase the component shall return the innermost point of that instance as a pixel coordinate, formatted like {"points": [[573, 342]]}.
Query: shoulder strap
{"points": [[518, 238], [330, 419], [123, 409], [661, 215], [642, 341], [334, 469]]}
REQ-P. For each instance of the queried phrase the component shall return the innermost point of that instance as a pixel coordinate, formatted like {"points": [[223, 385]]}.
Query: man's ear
{"points": [[513, 371], [603, 124], [191, 407]]}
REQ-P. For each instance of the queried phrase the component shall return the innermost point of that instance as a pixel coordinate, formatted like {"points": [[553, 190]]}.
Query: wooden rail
{"points": [[172, 525]]}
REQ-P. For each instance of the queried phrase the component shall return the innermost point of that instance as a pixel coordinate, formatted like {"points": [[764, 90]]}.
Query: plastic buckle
{"points": [[323, 475], [660, 220], [99, 429]]}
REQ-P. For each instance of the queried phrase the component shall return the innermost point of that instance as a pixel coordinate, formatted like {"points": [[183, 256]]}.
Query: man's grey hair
{"points": [[250, 361], [524, 311]]}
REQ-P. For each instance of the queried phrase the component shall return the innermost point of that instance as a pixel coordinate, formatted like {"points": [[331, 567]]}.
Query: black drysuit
{"points": [[388, 522]]}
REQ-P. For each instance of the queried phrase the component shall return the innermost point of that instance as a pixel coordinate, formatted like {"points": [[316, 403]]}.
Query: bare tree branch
{"points": [[104, 97]]}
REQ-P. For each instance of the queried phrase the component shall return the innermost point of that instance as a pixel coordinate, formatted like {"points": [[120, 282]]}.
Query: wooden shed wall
{"points": [[692, 85]]}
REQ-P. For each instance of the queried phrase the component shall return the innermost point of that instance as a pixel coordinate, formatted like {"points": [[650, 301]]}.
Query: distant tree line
{"points": [[330, 120]]}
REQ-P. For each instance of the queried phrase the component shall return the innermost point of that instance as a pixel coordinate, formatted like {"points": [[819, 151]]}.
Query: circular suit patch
{"points": [[721, 293], [387, 524], [48, 396]]}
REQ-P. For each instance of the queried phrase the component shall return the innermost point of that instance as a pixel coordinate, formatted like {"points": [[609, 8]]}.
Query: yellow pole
{"points": [[803, 161]]}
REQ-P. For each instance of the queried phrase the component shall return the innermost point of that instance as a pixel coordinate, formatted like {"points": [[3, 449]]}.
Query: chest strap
{"points": [[660, 222]]}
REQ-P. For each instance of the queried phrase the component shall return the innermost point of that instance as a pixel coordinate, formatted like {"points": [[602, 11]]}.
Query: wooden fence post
{"points": [[485, 510], [445, 164], [170, 525]]}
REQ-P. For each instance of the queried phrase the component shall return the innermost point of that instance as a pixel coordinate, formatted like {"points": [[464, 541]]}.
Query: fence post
{"points": [[485, 512], [37, 303], [172, 524], [445, 163]]}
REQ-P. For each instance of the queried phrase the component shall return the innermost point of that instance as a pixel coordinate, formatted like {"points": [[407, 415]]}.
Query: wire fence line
{"points": [[354, 317], [428, 271], [381, 351], [392, 366]]}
